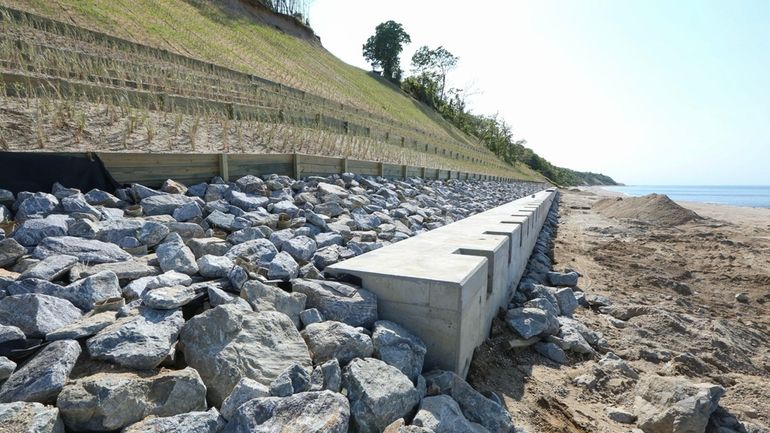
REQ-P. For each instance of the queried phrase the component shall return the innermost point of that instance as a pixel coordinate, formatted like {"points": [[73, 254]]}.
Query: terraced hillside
{"points": [[218, 77]]}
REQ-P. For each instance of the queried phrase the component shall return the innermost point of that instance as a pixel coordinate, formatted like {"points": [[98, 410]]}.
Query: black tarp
{"points": [[39, 171]]}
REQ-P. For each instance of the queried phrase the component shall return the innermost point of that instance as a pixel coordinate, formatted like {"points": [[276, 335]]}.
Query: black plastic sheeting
{"points": [[39, 171]]}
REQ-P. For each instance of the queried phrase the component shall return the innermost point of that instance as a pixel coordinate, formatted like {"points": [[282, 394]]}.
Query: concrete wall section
{"points": [[447, 285]]}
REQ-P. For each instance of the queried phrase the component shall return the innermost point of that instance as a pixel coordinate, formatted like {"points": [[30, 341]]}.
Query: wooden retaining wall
{"points": [[152, 169]]}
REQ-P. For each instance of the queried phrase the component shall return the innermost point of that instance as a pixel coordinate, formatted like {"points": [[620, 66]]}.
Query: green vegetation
{"points": [[383, 49]]}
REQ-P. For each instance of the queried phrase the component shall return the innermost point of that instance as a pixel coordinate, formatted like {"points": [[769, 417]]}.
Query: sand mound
{"points": [[655, 209]]}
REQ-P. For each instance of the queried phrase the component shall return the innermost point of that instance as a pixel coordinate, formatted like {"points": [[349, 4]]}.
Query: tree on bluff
{"points": [[436, 63], [383, 48]]}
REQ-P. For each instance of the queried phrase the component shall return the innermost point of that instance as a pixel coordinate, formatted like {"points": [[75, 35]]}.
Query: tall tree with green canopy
{"points": [[384, 47], [436, 62]]}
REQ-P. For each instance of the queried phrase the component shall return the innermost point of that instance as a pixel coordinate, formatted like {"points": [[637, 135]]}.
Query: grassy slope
{"points": [[231, 34]]}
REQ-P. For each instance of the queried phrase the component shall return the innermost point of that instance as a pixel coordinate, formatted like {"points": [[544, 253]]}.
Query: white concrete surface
{"points": [[446, 285]]}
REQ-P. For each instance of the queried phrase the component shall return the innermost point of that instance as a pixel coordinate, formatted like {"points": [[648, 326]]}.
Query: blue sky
{"points": [[646, 91]]}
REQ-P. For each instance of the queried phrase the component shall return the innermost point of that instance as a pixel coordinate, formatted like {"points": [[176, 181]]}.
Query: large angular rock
{"points": [[338, 301], [246, 389], [442, 414], [476, 408], [111, 401], [42, 378], [37, 205], [126, 271], [173, 255], [51, 268], [214, 266], [32, 231], [336, 340], [7, 367], [10, 251], [10, 333], [563, 279], [26, 417], [264, 297], [214, 246], [331, 192], [247, 202], [674, 404], [37, 315], [378, 393], [78, 204], [139, 286], [531, 322], [567, 301], [301, 248], [255, 251], [164, 204], [293, 380], [142, 341], [197, 422], [226, 344], [282, 267], [90, 290], [324, 411], [398, 347], [86, 250], [173, 297], [85, 327]]}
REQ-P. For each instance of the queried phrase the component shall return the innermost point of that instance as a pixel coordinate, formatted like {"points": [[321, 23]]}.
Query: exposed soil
{"points": [[652, 209], [679, 279]]}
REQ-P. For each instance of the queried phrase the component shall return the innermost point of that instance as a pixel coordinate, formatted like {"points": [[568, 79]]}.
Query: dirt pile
{"points": [[655, 209]]}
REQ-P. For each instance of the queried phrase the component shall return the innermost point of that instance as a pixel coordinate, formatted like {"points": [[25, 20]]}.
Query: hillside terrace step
{"points": [[446, 285]]}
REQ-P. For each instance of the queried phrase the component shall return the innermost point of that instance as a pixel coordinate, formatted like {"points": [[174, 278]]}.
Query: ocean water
{"points": [[748, 196]]}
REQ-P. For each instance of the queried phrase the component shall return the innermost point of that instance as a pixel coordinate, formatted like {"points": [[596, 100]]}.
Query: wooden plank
{"points": [[224, 172]]}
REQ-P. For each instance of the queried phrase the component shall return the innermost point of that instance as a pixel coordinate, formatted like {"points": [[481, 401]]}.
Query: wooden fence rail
{"points": [[152, 169]]}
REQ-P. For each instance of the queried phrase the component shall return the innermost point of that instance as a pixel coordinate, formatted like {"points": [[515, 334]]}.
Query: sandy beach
{"points": [[696, 297]]}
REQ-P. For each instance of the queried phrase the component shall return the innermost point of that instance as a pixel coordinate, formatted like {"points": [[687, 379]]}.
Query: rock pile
{"points": [[204, 308]]}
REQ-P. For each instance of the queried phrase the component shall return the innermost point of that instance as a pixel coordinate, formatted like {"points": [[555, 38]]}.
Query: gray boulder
{"points": [[283, 267], [152, 233], [378, 393], [139, 286], [7, 367], [340, 302], [264, 297], [97, 197], [214, 246], [336, 340], [111, 401], [37, 205], [567, 301], [474, 405], [77, 204], [26, 417], [86, 250], [441, 413], [246, 389], [247, 202], [214, 266], [126, 271], [300, 248], [551, 351], [32, 231], [164, 204], [37, 315], [398, 347], [42, 378], [10, 333], [326, 376], [226, 344], [530, 322], [563, 279], [140, 341], [197, 422], [173, 297], [85, 293], [310, 316], [173, 255], [244, 235], [220, 297], [10, 251], [51, 268], [85, 327], [674, 404], [292, 380], [324, 411], [255, 251], [328, 239]]}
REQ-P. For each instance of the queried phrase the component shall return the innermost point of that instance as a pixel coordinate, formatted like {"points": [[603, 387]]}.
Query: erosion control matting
{"points": [[39, 171]]}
